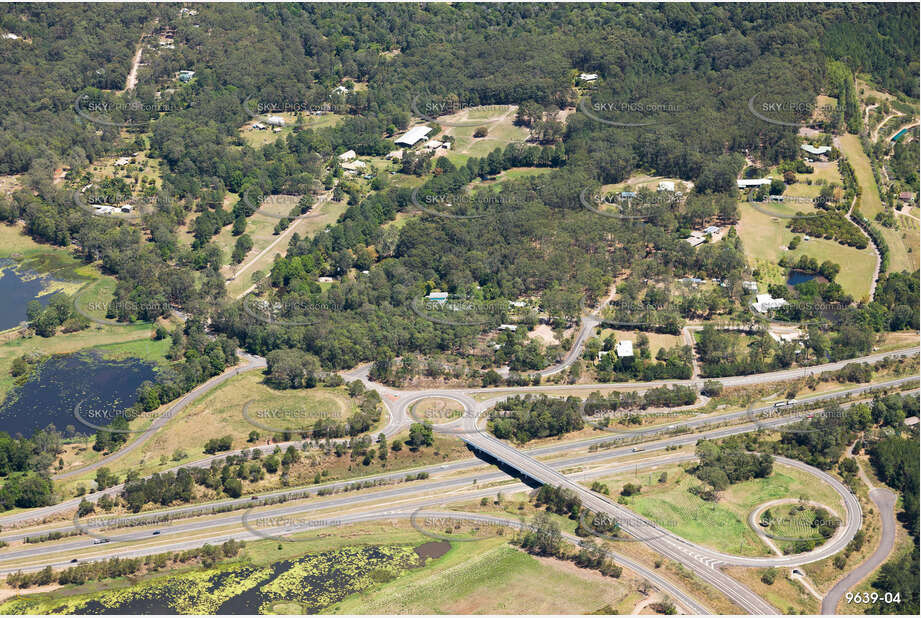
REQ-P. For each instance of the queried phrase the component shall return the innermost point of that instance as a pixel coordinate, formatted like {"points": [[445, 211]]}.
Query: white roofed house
{"points": [[588, 77], [624, 349], [764, 303], [813, 150], [752, 182], [353, 167], [275, 121], [667, 185], [413, 136], [348, 155]]}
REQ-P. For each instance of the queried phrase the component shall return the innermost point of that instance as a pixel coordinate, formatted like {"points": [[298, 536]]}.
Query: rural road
{"points": [[285, 234], [252, 363], [884, 499], [879, 256]]}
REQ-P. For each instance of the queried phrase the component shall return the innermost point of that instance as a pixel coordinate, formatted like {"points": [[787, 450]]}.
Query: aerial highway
{"points": [[399, 420], [704, 562]]}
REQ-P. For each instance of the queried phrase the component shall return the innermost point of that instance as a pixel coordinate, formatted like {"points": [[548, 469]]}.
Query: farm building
{"points": [[413, 136]]}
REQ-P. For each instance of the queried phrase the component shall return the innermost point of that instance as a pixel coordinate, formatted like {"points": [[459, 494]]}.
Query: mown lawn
{"points": [[903, 244], [765, 239]]}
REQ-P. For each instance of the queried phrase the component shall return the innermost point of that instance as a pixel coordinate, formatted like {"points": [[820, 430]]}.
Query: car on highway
{"points": [[636, 449], [100, 541], [156, 532]]}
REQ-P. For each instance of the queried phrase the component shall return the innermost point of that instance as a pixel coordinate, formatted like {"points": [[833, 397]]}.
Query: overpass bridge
{"points": [[657, 538]]}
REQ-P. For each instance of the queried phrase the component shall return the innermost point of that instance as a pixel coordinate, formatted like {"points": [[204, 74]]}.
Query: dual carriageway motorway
{"points": [[402, 501]]}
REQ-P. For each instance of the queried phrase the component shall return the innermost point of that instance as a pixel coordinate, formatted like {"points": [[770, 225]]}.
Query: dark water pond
{"points": [[433, 549], [60, 383], [17, 288], [798, 276]]}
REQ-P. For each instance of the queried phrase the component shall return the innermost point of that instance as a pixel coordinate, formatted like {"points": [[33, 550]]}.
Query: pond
{"points": [[51, 393], [17, 288], [798, 276]]}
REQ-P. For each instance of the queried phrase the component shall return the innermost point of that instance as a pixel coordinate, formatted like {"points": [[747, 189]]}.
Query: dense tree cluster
{"points": [[500, 55], [24, 465], [831, 226], [526, 418], [720, 465]]}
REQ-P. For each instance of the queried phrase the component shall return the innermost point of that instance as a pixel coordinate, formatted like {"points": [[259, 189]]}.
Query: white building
{"points": [[511, 327], [413, 136], [785, 337], [588, 77], [751, 286], [275, 121], [753, 182], [438, 297], [340, 90], [348, 155], [667, 185], [395, 154], [624, 349], [815, 151], [354, 165], [764, 303]]}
